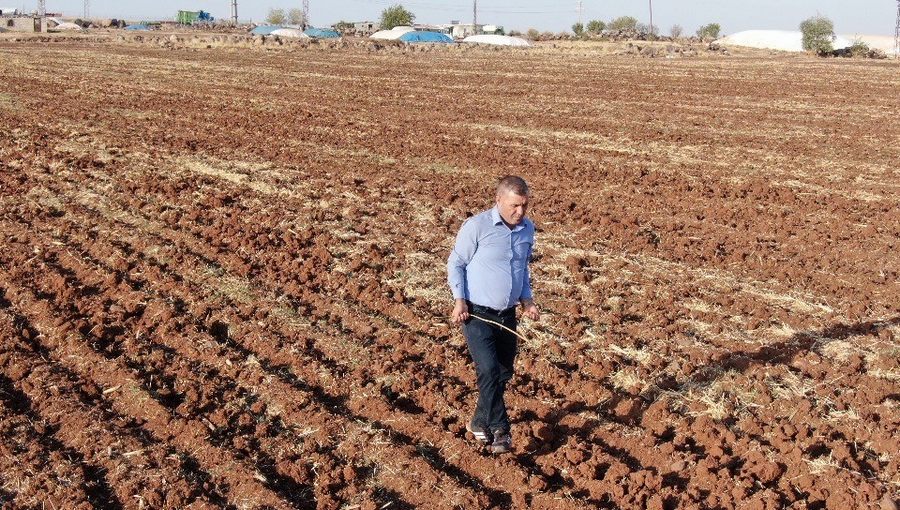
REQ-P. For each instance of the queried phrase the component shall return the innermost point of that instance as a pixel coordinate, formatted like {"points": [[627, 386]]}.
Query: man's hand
{"points": [[460, 311], [530, 310]]}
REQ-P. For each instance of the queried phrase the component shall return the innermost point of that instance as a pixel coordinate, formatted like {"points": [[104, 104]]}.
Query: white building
{"points": [[365, 27], [458, 30], [463, 30]]}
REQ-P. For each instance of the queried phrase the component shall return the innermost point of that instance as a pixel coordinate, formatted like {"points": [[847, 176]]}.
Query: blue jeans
{"points": [[493, 350]]}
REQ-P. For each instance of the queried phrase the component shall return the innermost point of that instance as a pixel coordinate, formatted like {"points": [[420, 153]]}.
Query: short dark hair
{"points": [[513, 183]]}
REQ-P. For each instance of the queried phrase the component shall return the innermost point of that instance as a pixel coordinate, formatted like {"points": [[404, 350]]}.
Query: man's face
{"points": [[512, 207]]}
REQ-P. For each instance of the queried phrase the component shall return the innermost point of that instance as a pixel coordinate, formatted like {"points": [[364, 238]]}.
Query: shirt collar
{"points": [[495, 216], [498, 220]]}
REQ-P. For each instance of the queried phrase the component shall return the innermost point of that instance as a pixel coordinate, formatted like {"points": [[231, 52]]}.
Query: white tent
{"points": [[65, 25], [290, 32], [392, 34], [498, 40], [58, 25], [783, 40]]}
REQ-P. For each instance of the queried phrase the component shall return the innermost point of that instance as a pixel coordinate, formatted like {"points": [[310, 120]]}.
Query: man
{"points": [[488, 274]]}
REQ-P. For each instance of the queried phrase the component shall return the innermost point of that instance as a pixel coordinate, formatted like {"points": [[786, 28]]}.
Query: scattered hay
{"points": [[789, 386], [628, 380], [849, 414], [641, 356], [727, 396], [9, 102], [243, 180], [889, 375], [838, 350], [821, 465]]}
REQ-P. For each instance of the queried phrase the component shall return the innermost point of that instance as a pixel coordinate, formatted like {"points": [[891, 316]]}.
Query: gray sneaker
{"points": [[481, 434], [502, 442]]}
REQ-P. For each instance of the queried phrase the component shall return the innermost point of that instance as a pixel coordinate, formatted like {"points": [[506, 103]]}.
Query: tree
{"points": [[710, 31], [644, 28], [595, 26], [533, 34], [859, 48], [295, 17], [818, 34], [676, 31], [623, 23], [395, 16], [578, 29], [275, 17]]}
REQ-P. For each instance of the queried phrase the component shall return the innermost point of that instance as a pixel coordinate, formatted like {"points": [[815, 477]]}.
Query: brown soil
{"points": [[222, 278]]}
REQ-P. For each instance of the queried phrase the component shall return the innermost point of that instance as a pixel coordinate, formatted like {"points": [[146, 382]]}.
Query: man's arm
{"points": [[530, 310], [463, 251], [526, 285]]}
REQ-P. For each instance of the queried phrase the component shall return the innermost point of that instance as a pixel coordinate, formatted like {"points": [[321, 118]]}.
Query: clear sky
{"points": [[874, 17]]}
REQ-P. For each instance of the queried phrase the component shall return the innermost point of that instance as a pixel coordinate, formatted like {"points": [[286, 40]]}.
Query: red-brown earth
{"points": [[222, 278]]}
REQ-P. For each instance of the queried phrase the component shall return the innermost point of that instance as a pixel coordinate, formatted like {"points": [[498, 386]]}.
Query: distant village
{"points": [[816, 34], [15, 20]]}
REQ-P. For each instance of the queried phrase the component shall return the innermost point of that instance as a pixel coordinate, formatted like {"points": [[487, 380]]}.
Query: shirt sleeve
{"points": [[463, 251], [526, 285]]}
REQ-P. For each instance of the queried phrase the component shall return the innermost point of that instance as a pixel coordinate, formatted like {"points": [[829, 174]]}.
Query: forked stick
{"points": [[482, 319]]}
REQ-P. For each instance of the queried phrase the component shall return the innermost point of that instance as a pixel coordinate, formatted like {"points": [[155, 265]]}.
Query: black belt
{"points": [[509, 312]]}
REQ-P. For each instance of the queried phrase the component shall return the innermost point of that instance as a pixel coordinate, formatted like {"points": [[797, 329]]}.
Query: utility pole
{"points": [[42, 8], [897, 33], [306, 14], [87, 9], [580, 11], [475, 15], [651, 17], [234, 18]]}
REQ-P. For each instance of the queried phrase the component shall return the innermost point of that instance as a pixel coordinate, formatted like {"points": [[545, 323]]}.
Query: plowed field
{"points": [[222, 279]]}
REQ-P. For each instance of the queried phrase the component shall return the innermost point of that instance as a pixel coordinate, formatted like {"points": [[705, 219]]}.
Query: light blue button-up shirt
{"points": [[489, 264]]}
